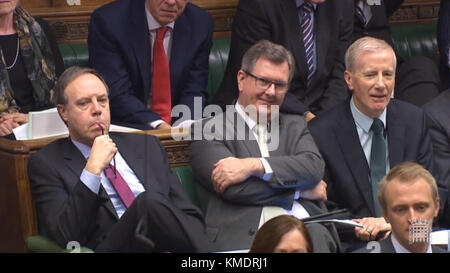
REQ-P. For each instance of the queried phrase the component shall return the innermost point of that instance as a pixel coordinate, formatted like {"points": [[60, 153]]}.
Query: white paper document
{"points": [[345, 222], [48, 123]]}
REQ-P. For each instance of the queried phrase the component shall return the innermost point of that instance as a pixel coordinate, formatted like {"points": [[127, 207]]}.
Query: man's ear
{"points": [[348, 76], [240, 79], [62, 112]]}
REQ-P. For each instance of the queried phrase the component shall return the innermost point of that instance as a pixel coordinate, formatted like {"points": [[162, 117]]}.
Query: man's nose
{"points": [[96, 108], [271, 91]]}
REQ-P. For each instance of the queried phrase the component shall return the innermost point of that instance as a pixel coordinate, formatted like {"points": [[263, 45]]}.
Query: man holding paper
{"points": [[111, 193]]}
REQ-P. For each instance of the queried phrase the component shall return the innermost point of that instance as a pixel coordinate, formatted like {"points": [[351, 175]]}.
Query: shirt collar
{"points": [[152, 23], [301, 2], [400, 249], [363, 121], [84, 149], [248, 120]]}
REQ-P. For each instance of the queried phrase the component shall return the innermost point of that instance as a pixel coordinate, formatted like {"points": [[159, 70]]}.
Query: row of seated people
{"points": [[110, 193], [123, 64]]}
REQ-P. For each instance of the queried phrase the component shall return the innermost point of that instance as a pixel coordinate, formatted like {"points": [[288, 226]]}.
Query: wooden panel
{"points": [[416, 11]]}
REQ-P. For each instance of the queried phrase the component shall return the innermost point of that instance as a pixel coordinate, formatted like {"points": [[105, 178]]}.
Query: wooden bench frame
{"points": [[17, 211]]}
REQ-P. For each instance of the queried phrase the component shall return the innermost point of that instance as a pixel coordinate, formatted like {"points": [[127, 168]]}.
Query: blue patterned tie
{"points": [[377, 161], [308, 39]]}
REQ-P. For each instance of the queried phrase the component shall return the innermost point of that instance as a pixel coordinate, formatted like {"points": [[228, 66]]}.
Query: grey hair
{"points": [[275, 53], [363, 45], [68, 76]]}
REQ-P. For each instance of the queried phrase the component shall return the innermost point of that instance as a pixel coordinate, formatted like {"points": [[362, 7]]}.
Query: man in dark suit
{"points": [[438, 115], [145, 80], [410, 201], [318, 82], [417, 77], [110, 192], [443, 39], [364, 137], [248, 174]]}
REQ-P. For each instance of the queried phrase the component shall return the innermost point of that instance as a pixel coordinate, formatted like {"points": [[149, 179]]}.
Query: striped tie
{"points": [[308, 39]]}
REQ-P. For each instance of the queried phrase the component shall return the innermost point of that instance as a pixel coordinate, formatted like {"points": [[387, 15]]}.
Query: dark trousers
{"points": [[153, 224]]}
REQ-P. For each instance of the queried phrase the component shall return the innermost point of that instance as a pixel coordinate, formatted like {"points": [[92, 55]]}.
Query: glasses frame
{"points": [[280, 87]]}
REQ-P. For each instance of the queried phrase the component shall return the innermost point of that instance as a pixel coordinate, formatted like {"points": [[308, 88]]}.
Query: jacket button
{"points": [[251, 232]]}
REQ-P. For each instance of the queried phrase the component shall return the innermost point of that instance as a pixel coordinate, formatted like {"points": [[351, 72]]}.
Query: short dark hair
{"points": [[68, 76], [275, 53], [269, 235]]}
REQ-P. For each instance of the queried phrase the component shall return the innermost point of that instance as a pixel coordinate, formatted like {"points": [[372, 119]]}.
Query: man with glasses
{"points": [[317, 32], [253, 163]]}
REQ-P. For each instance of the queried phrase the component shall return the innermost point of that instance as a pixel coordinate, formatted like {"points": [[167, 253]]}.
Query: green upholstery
{"points": [[416, 39], [187, 179], [218, 59], [410, 39], [42, 244], [75, 54]]}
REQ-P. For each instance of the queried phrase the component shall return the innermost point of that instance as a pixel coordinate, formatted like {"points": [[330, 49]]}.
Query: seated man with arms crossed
{"points": [[245, 179]]}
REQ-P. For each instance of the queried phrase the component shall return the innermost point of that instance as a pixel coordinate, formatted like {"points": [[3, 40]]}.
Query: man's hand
{"points": [[103, 150], [164, 126], [309, 116], [319, 192], [11, 121], [231, 170], [372, 227]]}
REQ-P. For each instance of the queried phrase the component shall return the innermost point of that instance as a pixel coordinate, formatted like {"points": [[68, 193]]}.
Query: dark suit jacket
{"points": [[347, 171], [439, 123], [119, 48], [232, 218], [70, 211], [378, 26], [278, 21], [386, 246]]}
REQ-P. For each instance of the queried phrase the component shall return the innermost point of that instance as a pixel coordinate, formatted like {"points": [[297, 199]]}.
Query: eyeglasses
{"points": [[264, 84]]}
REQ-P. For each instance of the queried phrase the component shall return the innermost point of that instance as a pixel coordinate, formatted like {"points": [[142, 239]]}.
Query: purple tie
{"points": [[120, 185]]}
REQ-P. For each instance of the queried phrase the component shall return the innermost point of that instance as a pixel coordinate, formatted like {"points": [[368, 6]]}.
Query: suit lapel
{"points": [[395, 135], [180, 43], [321, 30], [295, 36], [243, 134], [75, 160], [348, 139], [134, 154], [140, 40]]}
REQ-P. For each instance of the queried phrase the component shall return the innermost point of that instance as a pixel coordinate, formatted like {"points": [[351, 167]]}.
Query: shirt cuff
{"points": [[297, 195], [156, 123], [267, 170], [91, 181]]}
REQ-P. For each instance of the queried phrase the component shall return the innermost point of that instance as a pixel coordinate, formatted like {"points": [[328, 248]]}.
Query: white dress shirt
{"points": [[400, 249], [297, 209]]}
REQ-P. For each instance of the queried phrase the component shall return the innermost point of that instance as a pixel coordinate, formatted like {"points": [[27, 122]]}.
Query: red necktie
{"points": [[120, 185], [162, 99]]}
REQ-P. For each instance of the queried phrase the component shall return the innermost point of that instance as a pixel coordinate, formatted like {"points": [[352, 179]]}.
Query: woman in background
{"points": [[30, 62], [282, 234]]}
